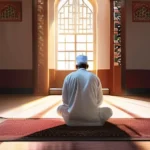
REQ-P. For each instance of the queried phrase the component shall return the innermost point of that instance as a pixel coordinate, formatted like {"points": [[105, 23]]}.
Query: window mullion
{"points": [[79, 24]]}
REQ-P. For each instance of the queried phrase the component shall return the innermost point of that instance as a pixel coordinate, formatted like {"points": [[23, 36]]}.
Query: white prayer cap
{"points": [[81, 59]]}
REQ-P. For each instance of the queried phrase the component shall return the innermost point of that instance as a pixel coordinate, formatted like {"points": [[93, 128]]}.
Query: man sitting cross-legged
{"points": [[82, 96]]}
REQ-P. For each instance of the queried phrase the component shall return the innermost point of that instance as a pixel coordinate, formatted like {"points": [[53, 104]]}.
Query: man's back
{"points": [[82, 93], [82, 96]]}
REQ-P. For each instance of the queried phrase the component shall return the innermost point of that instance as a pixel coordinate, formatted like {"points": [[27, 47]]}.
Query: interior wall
{"points": [[16, 40], [51, 40], [16, 50], [137, 51], [103, 34]]}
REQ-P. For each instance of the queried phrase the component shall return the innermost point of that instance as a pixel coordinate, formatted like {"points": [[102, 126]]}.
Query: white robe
{"points": [[82, 96]]}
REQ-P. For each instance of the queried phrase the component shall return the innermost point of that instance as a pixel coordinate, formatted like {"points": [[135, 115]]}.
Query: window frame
{"points": [[75, 34]]}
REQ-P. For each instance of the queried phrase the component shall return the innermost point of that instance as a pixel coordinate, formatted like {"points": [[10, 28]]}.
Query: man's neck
{"points": [[81, 69]]}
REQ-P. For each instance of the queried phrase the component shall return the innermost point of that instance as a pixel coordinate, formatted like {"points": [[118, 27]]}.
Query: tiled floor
{"points": [[45, 107]]}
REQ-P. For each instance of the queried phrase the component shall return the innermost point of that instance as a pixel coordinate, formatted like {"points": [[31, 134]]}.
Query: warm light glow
{"points": [[33, 108], [46, 107], [75, 33]]}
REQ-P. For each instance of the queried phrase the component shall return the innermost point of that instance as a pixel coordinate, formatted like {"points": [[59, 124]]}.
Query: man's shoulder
{"points": [[76, 74], [70, 75], [93, 75]]}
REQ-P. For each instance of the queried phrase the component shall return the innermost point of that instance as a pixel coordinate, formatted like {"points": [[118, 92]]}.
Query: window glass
{"points": [[75, 33]]}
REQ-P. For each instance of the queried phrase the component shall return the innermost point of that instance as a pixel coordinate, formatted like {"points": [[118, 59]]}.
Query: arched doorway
{"points": [[44, 78], [71, 36]]}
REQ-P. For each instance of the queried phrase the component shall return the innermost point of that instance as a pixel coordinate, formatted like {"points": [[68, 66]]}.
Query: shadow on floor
{"points": [[91, 133]]}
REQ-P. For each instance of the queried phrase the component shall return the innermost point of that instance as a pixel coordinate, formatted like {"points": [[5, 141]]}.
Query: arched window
{"points": [[75, 33]]}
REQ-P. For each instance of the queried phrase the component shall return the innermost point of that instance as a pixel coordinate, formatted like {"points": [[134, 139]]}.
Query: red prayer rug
{"points": [[55, 129]]}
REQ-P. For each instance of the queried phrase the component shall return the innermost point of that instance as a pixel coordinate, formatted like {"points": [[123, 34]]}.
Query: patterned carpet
{"points": [[55, 129], [64, 132]]}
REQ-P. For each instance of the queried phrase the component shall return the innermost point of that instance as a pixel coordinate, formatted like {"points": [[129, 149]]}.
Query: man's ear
{"points": [[87, 66], [76, 66]]}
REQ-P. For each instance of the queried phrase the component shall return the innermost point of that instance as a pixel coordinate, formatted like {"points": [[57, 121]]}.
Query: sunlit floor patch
{"points": [[2, 120], [46, 107]]}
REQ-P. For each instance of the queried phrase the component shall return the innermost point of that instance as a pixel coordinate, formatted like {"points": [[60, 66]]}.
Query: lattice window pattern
{"points": [[9, 12], [117, 32], [75, 33]]}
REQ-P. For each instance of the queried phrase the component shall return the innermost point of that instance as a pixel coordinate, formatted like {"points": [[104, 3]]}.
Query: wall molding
{"points": [[137, 79], [16, 90], [16, 79], [138, 91]]}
